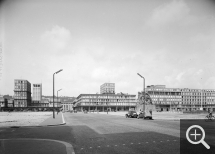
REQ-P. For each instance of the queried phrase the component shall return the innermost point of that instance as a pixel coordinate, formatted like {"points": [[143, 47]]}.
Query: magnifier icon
{"points": [[201, 140]]}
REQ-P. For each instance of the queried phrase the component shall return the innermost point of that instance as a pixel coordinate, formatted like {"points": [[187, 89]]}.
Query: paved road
{"points": [[100, 133], [94, 133]]}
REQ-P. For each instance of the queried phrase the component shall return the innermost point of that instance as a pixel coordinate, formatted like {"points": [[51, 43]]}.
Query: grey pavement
{"points": [[18, 136], [104, 134]]}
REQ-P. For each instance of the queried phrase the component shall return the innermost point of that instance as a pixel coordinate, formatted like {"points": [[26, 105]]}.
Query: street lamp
{"points": [[107, 102], [53, 90], [143, 89]]}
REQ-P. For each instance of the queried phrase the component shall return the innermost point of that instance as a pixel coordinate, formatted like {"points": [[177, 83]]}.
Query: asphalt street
{"points": [[95, 133]]}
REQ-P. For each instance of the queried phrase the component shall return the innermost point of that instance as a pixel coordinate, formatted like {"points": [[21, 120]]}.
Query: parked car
{"points": [[142, 115], [131, 114]]}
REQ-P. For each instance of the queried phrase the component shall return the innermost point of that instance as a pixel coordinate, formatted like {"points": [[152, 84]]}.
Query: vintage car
{"points": [[131, 114]]}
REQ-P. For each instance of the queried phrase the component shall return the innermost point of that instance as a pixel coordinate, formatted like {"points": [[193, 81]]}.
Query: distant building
{"points": [[104, 102], [6, 101], [37, 93], [49, 99], [2, 103], [181, 99], [67, 103], [9, 101], [107, 88], [22, 93]]}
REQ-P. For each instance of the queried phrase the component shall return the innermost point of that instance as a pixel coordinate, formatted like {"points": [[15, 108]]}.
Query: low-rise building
{"points": [[104, 102], [67, 103]]}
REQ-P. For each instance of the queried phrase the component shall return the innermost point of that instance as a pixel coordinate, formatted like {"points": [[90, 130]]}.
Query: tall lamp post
{"points": [[143, 89], [53, 90]]}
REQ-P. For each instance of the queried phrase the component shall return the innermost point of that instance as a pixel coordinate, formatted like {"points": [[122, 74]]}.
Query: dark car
{"points": [[131, 114]]}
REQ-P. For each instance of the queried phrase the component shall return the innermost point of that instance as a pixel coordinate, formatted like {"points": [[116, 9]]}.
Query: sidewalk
{"points": [[58, 120]]}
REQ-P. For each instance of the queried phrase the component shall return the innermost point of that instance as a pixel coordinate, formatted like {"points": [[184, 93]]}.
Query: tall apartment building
{"points": [[37, 93], [183, 99], [22, 93], [107, 88]]}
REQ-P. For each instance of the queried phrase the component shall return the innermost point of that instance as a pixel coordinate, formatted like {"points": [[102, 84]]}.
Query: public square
{"points": [[99, 133]]}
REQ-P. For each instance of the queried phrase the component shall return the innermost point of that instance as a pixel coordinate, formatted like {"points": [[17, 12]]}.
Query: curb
{"points": [[60, 124], [69, 147]]}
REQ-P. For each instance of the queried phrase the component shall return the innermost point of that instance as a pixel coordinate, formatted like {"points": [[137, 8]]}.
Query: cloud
{"points": [[191, 78], [168, 14], [57, 39]]}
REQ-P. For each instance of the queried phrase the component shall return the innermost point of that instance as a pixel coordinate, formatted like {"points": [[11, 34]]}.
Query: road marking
{"points": [[98, 146], [174, 140], [107, 145], [131, 143], [69, 147], [146, 142], [154, 141], [63, 119], [139, 143], [90, 147], [82, 148], [161, 141], [123, 144], [167, 140], [115, 145]]}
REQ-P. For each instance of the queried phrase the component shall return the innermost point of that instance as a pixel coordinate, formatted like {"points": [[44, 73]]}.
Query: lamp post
{"points": [[107, 103], [53, 90], [143, 89]]}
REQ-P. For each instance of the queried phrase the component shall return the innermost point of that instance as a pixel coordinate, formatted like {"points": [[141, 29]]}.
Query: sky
{"points": [[169, 42]]}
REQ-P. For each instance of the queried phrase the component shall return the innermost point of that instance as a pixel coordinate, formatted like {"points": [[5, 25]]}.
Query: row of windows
{"points": [[109, 100], [109, 104], [197, 100], [118, 97], [161, 99], [20, 94], [171, 90], [165, 96], [20, 81], [20, 97], [108, 84]]}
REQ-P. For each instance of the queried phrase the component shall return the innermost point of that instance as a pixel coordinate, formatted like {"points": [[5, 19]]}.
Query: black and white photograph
{"points": [[107, 76]]}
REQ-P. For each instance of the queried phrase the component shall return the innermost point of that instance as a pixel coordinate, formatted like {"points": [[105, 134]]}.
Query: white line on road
{"points": [[63, 119]]}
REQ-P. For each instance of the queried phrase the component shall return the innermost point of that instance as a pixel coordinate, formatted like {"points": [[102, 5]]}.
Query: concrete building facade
{"points": [[107, 88], [104, 102], [181, 99], [37, 93], [22, 93], [67, 103]]}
